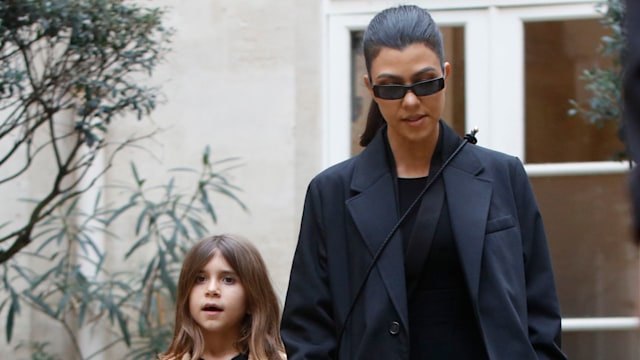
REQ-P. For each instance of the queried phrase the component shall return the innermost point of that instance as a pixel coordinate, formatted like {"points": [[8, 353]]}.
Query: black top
{"points": [[238, 357], [442, 324], [408, 190], [441, 321]]}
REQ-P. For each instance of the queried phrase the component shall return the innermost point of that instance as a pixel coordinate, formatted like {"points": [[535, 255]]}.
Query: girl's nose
{"points": [[213, 289]]}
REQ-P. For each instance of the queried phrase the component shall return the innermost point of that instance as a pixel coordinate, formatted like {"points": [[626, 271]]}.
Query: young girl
{"points": [[226, 307]]}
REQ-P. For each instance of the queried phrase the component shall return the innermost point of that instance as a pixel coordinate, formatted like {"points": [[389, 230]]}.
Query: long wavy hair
{"points": [[260, 328], [396, 28]]}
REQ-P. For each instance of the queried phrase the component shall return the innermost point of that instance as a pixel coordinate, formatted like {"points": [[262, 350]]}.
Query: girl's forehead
{"points": [[217, 262]]}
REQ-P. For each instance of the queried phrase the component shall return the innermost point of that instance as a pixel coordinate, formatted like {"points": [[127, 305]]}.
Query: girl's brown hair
{"points": [[260, 329]]}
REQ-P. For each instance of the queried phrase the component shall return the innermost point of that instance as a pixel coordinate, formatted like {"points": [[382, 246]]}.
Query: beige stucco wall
{"points": [[243, 76]]}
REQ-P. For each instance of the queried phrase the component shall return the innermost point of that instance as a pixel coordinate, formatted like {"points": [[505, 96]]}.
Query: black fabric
{"points": [[441, 321], [350, 207], [631, 104], [440, 311], [238, 357], [422, 232], [408, 190]]}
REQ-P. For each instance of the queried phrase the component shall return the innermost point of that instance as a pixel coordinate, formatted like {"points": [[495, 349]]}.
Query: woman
{"points": [[467, 274]]}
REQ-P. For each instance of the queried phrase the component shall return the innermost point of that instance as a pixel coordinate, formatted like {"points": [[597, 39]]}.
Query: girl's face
{"points": [[217, 301], [411, 118]]}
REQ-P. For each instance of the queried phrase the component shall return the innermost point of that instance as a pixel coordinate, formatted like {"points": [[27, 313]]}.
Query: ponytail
{"points": [[374, 122]]}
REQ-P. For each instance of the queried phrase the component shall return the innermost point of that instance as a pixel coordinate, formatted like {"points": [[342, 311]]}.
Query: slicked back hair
{"points": [[396, 28]]}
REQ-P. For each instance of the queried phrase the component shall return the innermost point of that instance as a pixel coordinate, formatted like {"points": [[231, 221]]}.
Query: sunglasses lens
{"points": [[395, 92], [389, 92], [428, 87]]}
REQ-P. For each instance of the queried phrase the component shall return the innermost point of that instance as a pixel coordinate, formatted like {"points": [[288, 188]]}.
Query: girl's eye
{"points": [[228, 280], [200, 279]]}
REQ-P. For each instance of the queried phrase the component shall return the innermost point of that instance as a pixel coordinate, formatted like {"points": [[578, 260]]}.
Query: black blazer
{"points": [[632, 102], [351, 207]]}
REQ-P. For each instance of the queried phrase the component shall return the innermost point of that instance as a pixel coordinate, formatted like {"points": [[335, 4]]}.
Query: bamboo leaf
{"points": [[48, 240], [143, 240], [43, 277], [82, 312], [139, 181], [14, 309], [167, 280], [171, 245], [197, 227], [141, 219], [72, 206], [205, 155], [92, 244], [230, 194], [170, 186], [226, 160], [40, 304], [100, 263], [22, 272], [62, 304], [4, 302], [183, 169], [122, 323], [149, 271], [204, 200], [96, 203], [119, 212], [179, 226]]}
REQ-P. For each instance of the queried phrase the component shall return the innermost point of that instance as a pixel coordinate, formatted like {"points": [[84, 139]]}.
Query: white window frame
{"points": [[338, 91], [494, 90]]}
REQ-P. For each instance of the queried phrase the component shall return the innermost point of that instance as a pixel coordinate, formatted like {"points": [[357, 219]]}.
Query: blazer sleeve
{"points": [[631, 104], [543, 310], [308, 328]]}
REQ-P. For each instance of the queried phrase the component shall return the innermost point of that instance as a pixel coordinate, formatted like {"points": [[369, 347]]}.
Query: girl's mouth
{"points": [[211, 308]]}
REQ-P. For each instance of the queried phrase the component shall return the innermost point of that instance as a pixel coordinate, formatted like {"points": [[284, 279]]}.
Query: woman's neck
{"points": [[413, 159]]}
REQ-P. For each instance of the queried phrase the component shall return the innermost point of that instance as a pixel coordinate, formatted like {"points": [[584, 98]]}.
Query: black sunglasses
{"points": [[421, 88]]}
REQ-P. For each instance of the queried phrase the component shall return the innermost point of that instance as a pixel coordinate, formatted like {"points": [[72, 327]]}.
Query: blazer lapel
{"points": [[374, 212], [468, 198], [426, 220], [422, 235]]}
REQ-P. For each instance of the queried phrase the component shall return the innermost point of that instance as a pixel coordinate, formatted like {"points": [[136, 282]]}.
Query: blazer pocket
{"points": [[499, 224]]}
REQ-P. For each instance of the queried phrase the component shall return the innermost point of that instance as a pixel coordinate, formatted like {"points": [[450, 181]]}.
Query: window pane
{"points": [[556, 54], [602, 345], [454, 112], [588, 224]]}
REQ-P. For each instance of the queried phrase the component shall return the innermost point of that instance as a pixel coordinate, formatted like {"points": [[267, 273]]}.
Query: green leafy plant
{"points": [[38, 350], [74, 288], [605, 84], [70, 70]]}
